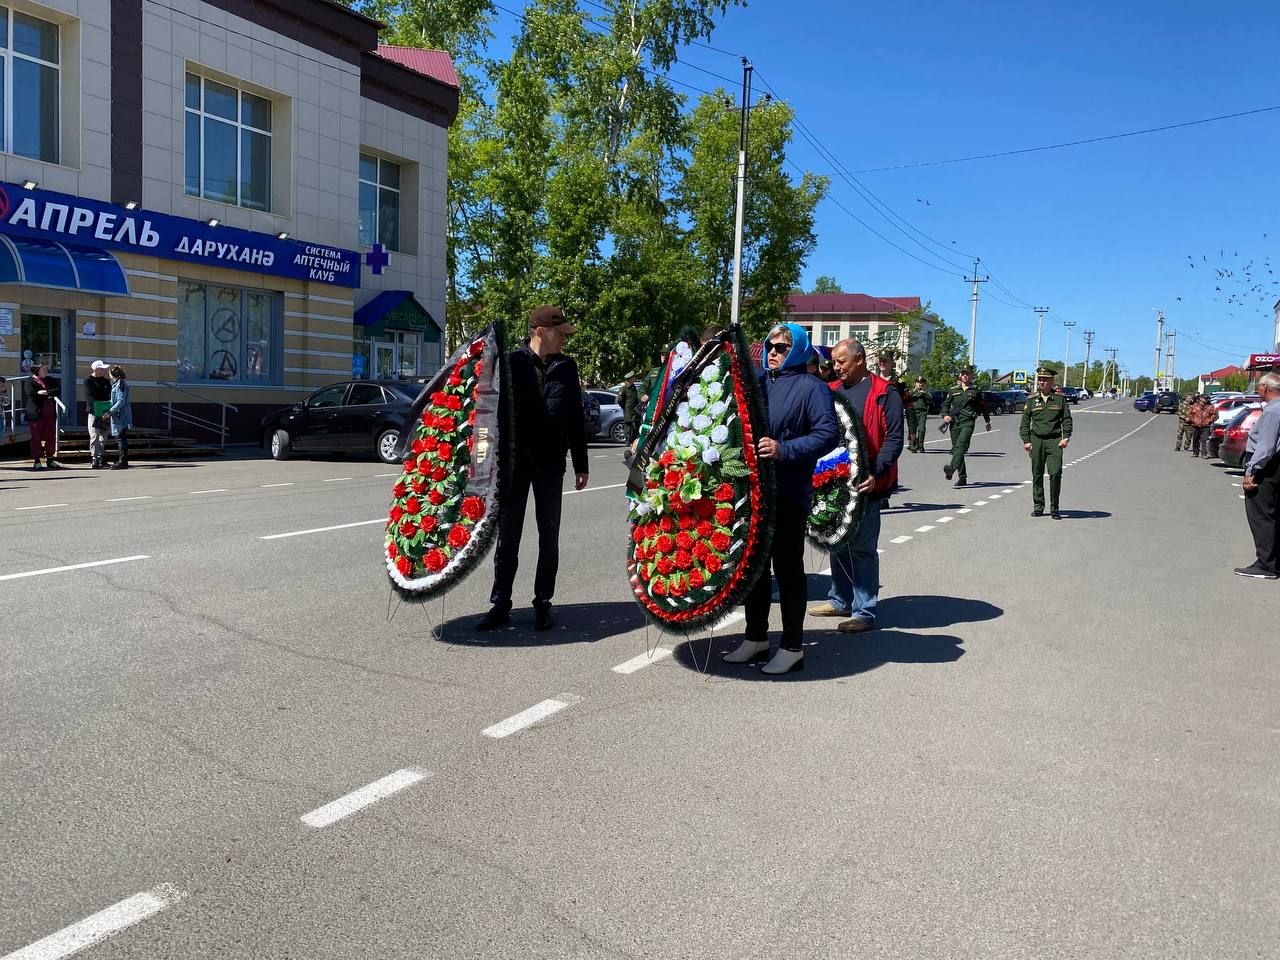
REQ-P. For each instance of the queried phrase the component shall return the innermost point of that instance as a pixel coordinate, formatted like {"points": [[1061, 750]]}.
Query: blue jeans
{"points": [[855, 571]]}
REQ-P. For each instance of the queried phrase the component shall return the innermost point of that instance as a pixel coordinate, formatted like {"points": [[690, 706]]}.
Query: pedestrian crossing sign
{"points": [[1018, 376]]}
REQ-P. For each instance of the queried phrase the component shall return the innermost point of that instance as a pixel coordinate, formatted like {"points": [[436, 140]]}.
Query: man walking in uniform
{"points": [[960, 412], [1046, 431], [1183, 440], [632, 409], [918, 415]]}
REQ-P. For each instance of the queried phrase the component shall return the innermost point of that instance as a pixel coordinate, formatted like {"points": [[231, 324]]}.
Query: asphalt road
{"points": [[1061, 742]]}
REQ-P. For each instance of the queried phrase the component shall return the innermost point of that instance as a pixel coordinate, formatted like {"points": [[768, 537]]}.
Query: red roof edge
{"points": [[435, 64]]}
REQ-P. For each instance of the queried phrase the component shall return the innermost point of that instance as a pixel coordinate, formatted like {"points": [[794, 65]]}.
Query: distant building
{"points": [[876, 321]]}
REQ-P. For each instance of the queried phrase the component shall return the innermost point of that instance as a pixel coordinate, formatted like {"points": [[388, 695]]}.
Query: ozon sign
{"points": [[1265, 360], [45, 215]]}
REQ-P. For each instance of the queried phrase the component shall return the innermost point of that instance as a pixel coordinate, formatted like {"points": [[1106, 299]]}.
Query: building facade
{"points": [[238, 201], [875, 321]]}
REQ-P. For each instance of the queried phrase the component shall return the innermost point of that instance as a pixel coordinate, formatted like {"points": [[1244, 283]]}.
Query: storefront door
{"points": [[396, 358], [384, 360], [48, 338]]}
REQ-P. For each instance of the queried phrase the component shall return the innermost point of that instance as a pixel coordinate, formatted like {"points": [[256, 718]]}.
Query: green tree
{"points": [[941, 368], [826, 284], [1236, 381]]}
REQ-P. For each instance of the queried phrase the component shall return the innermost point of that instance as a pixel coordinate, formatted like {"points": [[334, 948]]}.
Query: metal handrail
{"points": [[182, 416]]}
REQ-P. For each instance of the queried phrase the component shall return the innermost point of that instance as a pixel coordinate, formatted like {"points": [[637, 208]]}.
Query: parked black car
{"points": [[356, 416], [1166, 402], [995, 402], [1071, 393], [936, 399], [1014, 400]]}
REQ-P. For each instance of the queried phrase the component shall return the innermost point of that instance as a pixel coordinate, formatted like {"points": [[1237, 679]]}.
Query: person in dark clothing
{"points": [[632, 408], [39, 393], [801, 427], [97, 397], [547, 399]]}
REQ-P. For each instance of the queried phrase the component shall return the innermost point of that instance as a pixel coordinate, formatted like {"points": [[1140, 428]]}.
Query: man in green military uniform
{"points": [[1046, 431], [960, 412], [632, 408], [917, 415], [1183, 439]]}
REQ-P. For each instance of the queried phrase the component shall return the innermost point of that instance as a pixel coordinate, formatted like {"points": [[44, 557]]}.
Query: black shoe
{"points": [[498, 616], [1255, 572], [37, 465], [95, 465], [1037, 512], [53, 464], [119, 465], [948, 471], [962, 483], [1056, 515], [542, 617]]}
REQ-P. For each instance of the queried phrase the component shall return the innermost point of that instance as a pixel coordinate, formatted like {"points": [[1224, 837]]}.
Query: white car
{"points": [[1234, 406]]}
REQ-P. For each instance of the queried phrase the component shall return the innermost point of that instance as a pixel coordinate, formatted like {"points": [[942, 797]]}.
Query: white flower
{"points": [[695, 391], [710, 372], [714, 390], [697, 401], [642, 509], [683, 350], [687, 439], [682, 410], [682, 418], [701, 422], [710, 455], [719, 433], [718, 408]]}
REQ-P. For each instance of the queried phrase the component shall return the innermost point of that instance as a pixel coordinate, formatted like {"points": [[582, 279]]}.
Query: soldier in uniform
{"points": [[1046, 431], [1183, 440], [960, 412], [632, 408], [918, 415]]}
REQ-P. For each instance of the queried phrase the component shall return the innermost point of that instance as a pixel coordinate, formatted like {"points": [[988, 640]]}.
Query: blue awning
{"points": [[397, 310], [47, 263]]}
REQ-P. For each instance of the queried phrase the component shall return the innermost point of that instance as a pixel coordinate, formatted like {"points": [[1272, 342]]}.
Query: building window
{"points": [[30, 79], [379, 202], [859, 333], [228, 335], [830, 335], [228, 144]]}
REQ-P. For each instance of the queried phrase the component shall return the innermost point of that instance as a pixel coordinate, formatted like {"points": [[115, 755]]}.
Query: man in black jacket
{"points": [[97, 397], [547, 397]]}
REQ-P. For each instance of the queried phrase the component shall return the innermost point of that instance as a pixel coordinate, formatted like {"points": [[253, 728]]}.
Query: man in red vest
{"points": [[855, 571]]}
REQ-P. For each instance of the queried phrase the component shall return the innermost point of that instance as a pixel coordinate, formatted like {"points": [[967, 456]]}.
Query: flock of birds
{"points": [[1236, 284]]}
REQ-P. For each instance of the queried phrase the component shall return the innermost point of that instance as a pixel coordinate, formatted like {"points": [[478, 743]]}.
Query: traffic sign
{"points": [[1019, 376]]}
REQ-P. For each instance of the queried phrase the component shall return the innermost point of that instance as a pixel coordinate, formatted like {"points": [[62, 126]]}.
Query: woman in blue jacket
{"points": [[801, 427], [120, 416]]}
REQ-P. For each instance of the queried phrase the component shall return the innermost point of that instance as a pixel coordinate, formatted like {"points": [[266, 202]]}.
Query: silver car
{"points": [[611, 424]]}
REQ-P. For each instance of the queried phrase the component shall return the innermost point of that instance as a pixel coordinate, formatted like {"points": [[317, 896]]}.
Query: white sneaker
{"points": [[784, 661], [747, 650]]}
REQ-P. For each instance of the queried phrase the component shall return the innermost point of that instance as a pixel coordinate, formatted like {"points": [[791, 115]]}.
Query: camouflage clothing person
{"points": [[960, 412], [917, 415], [1183, 440], [1046, 430]]}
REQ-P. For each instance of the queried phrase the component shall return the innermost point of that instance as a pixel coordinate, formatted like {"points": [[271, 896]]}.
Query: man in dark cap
{"points": [[917, 415], [960, 412], [547, 398], [1046, 431]]}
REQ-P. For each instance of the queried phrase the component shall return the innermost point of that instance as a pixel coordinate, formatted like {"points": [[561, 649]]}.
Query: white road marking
{"points": [[42, 506], [124, 499], [1235, 484], [902, 539], [925, 529], [607, 486], [1240, 495], [945, 519], [643, 660], [964, 510], [382, 476], [364, 797], [976, 434], [217, 490], [340, 526], [289, 484], [1007, 491], [526, 718], [335, 479], [993, 496], [979, 503], [101, 925], [74, 566]]}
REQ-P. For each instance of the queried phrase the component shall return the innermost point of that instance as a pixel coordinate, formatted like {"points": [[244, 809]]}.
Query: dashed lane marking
{"points": [[340, 526], [993, 496], [124, 499], [965, 510], [925, 529], [607, 486], [945, 519], [527, 718], [74, 566], [902, 539], [366, 796], [642, 661], [979, 503], [1010, 490], [41, 506], [336, 479], [100, 926], [216, 490], [266, 485]]}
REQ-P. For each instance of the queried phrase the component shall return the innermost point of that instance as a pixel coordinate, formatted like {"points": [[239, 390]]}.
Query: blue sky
{"points": [[1102, 233]]}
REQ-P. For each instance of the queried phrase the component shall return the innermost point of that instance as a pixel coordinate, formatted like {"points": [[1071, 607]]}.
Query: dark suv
{"points": [[1166, 402]]}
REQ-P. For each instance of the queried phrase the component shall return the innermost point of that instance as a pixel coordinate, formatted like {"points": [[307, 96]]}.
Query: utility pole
{"points": [[735, 307], [1066, 360], [1040, 312], [1088, 349], [973, 316], [1110, 367], [1155, 374], [1169, 339]]}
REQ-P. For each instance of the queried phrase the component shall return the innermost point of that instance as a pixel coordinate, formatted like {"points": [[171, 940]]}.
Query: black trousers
{"points": [[1199, 441], [787, 559], [1262, 508], [633, 430], [122, 446], [546, 510]]}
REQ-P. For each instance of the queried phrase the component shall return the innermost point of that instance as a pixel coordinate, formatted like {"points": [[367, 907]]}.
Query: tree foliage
{"points": [[825, 284], [941, 368]]}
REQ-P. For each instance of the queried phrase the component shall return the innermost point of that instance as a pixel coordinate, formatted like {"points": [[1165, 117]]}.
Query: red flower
{"points": [[436, 497], [435, 560], [459, 536], [684, 559], [638, 553], [445, 424], [668, 458], [445, 452], [666, 524], [696, 579], [479, 368], [403, 565], [438, 398], [678, 588], [473, 508], [687, 522], [705, 529], [724, 516], [471, 417], [429, 444], [408, 528], [419, 485], [704, 508], [419, 445], [424, 463], [684, 541], [665, 544], [644, 573], [651, 484], [453, 403], [720, 541], [428, 522], [659, 588], [411, 465], [439, 473], [672, 479], [399, 490], [700, 550], [396, 513], [455, 380], [477, 348], [724, 492], [712, 563], [665, 566], [412, 506], [637, 535], [392, 552], [650, 530], [428, 419]]}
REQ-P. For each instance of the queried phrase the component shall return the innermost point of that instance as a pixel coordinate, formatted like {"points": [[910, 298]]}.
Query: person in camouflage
{"points": [[918, 415], [960, 412], [1183, 440], [1046, 431]]}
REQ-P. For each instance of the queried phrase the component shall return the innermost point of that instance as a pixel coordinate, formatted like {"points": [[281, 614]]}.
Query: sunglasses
{"points": [[778, 346]]}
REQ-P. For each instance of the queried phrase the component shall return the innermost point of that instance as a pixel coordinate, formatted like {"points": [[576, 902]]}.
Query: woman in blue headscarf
{"points": [[801, 427]]}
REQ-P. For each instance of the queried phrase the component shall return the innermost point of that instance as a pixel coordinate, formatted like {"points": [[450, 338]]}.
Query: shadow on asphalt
{"points": [[992, 483], [910, 506], [828, 655], [574, 623], [1084, 514]]}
